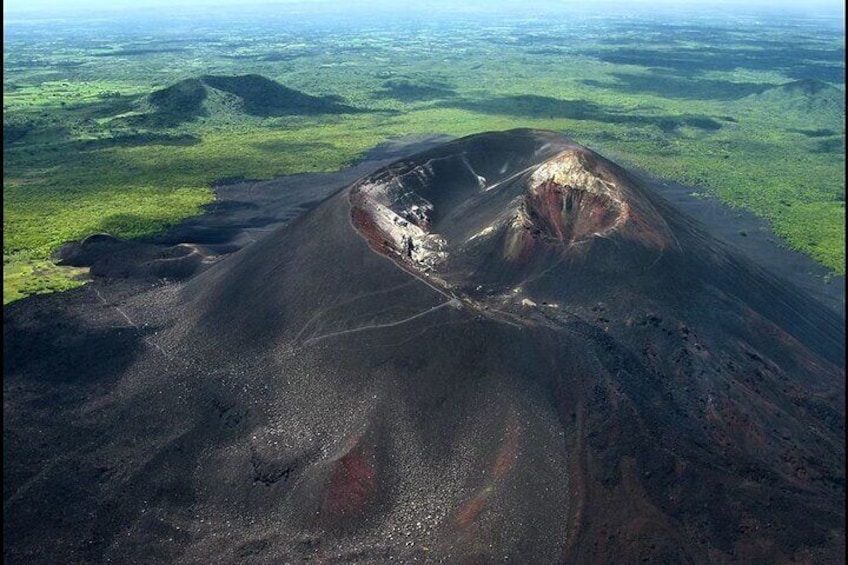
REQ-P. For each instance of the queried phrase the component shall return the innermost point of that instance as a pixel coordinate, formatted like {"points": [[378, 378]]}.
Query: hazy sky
{"points": [[66, 7]]}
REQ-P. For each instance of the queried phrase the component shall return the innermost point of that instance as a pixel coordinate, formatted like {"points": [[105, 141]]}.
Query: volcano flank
{"points": [[505, 348]]}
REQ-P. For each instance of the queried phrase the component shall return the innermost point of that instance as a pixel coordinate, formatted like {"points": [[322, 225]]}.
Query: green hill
{"points": [[178, 103], [805, 101], [212, 95], [264, 97]]}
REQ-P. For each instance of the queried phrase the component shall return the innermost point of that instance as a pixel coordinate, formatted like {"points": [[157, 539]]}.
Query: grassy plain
{"points": [[701, 99]]}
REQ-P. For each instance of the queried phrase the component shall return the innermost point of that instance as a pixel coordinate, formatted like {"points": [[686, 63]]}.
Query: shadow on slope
{"points": [[535, 106], [264, 97], [796, 62], [405, 90], [670, 86]]}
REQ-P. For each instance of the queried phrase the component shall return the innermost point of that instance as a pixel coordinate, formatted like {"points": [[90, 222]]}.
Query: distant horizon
{"points": [[41, 9]]}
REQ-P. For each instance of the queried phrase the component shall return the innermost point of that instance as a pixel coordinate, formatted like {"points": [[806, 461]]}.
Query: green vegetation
{"points": [[124, 129]]}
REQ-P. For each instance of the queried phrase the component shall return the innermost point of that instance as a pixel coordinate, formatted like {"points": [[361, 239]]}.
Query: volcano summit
{"points": [[503, 349]]}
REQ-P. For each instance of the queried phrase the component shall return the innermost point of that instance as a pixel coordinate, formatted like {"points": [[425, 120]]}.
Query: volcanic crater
{"points": [[505, 348]]}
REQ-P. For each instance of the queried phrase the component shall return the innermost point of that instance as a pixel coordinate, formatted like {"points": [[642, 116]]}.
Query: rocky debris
{"points": [[402, 230], [568, 203]]}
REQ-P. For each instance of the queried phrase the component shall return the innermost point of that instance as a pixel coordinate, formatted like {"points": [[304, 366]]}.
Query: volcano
{"points": [[503, 349]]}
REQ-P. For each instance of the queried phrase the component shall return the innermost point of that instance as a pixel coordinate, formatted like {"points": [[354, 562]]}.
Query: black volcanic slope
{"points": [[504, 349]]}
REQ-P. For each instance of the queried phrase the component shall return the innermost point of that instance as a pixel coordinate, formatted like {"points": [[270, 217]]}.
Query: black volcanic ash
{"points": [[506, 348]]}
